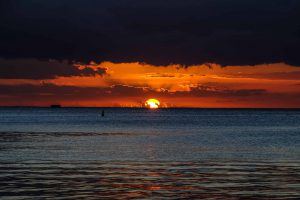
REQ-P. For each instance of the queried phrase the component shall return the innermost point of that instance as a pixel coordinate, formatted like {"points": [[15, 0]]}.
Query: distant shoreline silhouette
{"points": [[55, 106]]}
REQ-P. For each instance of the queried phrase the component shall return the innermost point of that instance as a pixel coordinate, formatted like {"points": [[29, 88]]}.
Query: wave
{"points": [[163, 180]]}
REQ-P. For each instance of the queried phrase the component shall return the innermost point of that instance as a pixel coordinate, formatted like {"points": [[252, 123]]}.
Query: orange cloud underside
{"points": [[280, 82], [176, 78]]}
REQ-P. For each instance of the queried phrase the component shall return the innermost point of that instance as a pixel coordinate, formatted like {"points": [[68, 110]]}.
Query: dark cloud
{"points": [[46, 94], [227, 32], [208, 90], [293, 75], [73, 92], [36, 69]]}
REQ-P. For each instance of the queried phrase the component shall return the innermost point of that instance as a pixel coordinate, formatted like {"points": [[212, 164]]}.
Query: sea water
{"points": [[60, 153]]}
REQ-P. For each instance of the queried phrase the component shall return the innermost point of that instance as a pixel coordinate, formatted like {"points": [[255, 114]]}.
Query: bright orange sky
{"points": [[130, 84]]}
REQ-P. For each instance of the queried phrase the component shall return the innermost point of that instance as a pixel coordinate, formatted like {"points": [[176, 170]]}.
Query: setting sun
{"points": [[152, 103]]}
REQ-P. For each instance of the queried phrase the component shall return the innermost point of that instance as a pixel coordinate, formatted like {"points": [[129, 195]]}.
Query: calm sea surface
{"points": [[74, 153]]}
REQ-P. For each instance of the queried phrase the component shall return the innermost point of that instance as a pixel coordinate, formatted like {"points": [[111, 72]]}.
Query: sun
{"points": [[152, 103]]}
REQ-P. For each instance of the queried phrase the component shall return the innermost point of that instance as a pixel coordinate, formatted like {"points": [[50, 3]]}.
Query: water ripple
{"points": [[155, 180]]}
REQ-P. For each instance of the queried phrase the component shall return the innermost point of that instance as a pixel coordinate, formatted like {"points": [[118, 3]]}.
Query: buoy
{"points": [[102, 114]]}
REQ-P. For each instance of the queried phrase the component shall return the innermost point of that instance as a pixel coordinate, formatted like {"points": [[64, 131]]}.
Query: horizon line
{"points": [[173, 107]]}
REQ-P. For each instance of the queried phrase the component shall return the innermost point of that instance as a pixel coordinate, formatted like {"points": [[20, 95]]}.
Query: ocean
{"points": [[134, 153]]}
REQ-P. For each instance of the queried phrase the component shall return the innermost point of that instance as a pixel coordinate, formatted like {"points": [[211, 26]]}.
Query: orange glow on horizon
{"points": [[128, 84]]}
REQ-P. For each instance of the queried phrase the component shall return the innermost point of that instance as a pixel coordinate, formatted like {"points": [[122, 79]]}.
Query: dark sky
{"points": [[160, 32]]}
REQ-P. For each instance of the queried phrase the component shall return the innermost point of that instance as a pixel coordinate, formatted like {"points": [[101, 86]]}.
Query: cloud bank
{"points": [[226, 32], [36, 69]]}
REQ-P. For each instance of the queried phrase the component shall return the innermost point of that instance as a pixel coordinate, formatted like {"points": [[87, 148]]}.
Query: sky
{"points": [[185, 53]]}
